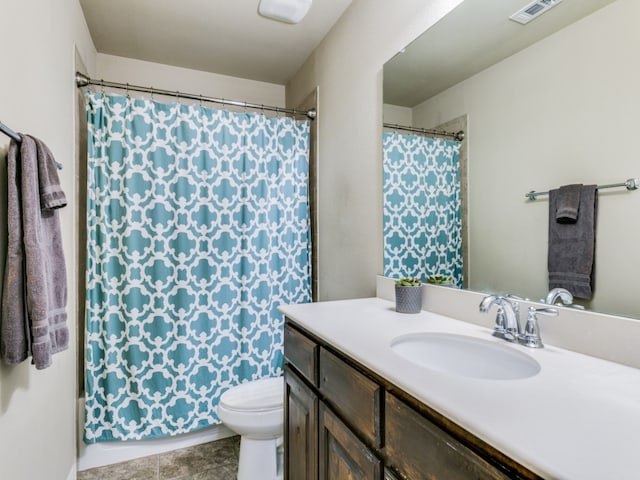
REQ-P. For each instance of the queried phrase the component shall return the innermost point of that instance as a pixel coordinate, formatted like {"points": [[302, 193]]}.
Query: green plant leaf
{"points": [[408, 282]]}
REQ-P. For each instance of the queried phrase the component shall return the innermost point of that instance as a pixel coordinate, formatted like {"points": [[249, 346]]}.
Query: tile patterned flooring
{"points": [[210, 461]]}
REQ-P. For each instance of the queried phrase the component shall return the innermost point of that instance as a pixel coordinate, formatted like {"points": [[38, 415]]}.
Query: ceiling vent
{"points": [[533, 10]]}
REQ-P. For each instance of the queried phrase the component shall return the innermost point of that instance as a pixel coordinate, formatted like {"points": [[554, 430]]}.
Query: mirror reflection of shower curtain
{"points": [[198, 229], [421, 207]]}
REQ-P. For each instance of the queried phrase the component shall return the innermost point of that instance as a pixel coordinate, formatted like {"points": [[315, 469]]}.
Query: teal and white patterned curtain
{"points": [[198, 229], [422, 217]]}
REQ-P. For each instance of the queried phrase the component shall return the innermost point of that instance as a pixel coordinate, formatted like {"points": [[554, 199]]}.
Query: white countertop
{"points": [[578, 418]]}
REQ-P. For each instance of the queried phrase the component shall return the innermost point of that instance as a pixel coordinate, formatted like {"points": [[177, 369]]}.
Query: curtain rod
{"points": [[7, 131], [630, 184], [84, 81], [459, 136]]}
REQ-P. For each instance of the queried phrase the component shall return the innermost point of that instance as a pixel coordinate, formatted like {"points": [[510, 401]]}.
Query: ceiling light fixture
{"points": [[288, 11]]}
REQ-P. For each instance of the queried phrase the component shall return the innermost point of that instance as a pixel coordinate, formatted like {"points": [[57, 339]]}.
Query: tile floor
{"points": [[210, 461]]}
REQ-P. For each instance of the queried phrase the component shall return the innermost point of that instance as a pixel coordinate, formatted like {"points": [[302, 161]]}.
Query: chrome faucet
{"points": [[558, 293], [507, 318], [562, 294]]}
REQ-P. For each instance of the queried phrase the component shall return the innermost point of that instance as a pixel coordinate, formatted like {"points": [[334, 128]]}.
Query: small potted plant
{"points": [[408, 295], [439, 280]]}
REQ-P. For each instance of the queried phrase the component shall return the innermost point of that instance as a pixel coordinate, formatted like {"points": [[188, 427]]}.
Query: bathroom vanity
{"points": [[355, 408]]}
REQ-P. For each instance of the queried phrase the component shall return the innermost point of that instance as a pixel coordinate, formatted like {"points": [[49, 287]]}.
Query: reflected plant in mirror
{"points": [[439, 280], [549, 103]]}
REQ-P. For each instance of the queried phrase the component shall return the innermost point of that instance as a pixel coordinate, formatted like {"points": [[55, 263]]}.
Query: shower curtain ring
{"points": [[127, 91], [102, 86]]}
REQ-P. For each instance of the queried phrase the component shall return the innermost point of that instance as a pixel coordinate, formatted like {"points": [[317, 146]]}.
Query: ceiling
{"points": [[219, 36], [474, 36]]}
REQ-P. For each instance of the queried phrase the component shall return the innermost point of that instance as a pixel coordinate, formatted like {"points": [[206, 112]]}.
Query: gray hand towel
{"points": [[51, 194], [15, 332], [38, 253], [45, 265], [568, 203], [571, 251]]}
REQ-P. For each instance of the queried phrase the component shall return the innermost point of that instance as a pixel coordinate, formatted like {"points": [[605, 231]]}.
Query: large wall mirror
{"points": [[549, 103]]}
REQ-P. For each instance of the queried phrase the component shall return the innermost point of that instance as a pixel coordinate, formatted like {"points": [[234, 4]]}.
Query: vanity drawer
{"points": [[354, 396], [418, 449], [302, 353]]}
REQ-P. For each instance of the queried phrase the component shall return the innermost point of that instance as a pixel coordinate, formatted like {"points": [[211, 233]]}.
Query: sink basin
{"points": [[465, 356]]}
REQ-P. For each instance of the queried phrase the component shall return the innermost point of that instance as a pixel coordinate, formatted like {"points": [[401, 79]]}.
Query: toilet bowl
{"points": [[254, 410]]}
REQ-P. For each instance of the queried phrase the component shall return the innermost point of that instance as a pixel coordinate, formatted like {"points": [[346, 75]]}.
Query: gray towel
{"points": [[39, 254], [15, 332], [571, 251], [568, 203]]}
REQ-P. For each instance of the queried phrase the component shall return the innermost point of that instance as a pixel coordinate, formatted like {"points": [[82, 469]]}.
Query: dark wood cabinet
{"points": [[342, 455], [301, 429], [344, 422], [416, 447], [352, 395], [302, 353], [389, 475]]}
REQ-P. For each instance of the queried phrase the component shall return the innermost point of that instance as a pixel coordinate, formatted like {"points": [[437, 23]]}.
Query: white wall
{"points": [[347, 68], [166, 77], [562, 111], [397, 115], [37, 96], [37, 408]]}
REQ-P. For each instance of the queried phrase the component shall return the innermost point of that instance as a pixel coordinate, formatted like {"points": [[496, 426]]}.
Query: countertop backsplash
{"points": [[609, 337]]}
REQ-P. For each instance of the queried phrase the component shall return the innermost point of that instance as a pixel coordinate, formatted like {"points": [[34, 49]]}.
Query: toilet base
{"points": [[258, 459]]}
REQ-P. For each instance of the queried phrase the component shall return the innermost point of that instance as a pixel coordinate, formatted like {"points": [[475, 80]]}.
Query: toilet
{"points": [[254, 410]]}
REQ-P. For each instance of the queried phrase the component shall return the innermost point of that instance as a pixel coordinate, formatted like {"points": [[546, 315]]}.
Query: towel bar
{"points": [[7, 131], [10, 133], [630, 184]]}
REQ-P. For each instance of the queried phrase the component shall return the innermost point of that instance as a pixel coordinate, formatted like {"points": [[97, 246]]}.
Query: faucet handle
{"points": [[549, 312], [513, 296], [531, 335]]}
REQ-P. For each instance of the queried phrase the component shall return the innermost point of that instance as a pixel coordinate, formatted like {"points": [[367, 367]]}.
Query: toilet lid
{"points": [[260, 395]]}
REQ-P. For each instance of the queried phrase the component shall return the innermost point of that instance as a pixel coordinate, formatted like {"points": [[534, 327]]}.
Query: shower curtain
{"points": [[198, 229], [421, 207]]}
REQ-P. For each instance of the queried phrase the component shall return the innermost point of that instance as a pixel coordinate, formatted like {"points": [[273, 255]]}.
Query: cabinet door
{"points": [[419, 449], [300, 429], [342, 455], [389, 475]]}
